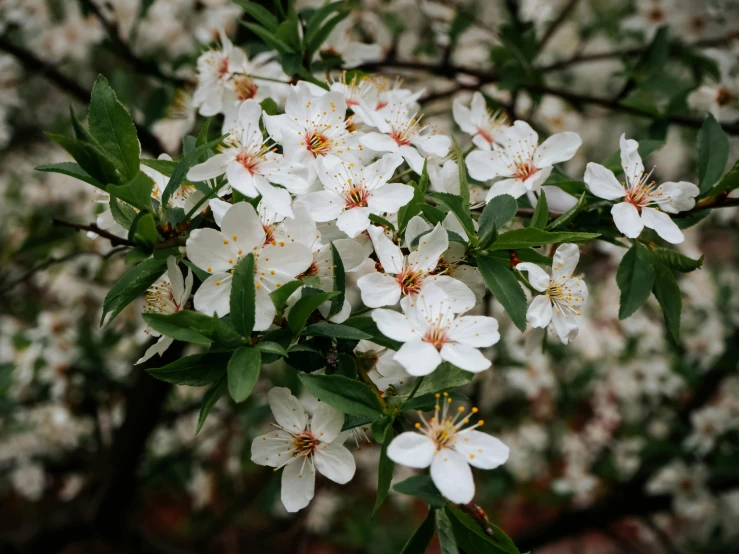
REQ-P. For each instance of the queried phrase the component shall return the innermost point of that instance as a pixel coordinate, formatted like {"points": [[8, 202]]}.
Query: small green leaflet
{"points": [[568, 216], [471, 538], [336, 330], [344, 394], [211, 396], [501, 281], [243, 372], [184, 166], [446, 533], [193, 371], [635, 278], [71, 169], [136, 192], [421, 486], [385, 470], [499, 211], [302, 309], [280, 295], [91, 159], [667, 292], [444, 377], [458, 207], [525, 238], [464, 185], [194, 327], [243, 297], [419, 541], [541, 214], [337, 302], [131, 286], [713, 152]]}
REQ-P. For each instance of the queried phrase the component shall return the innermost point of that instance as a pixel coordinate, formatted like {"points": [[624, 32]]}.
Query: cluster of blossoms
{"points": [[309, 172]]}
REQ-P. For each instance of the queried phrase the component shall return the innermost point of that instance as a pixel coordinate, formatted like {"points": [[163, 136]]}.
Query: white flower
{"points": [[432, 334], [302, 446], [353, 53], [312, 126], [450, 450], [485, 127], [219, 252], [186, 196], [358, 92], [29, 480], [408, 275], [638, 194], [351, 192], [521, 160], [563, 295], [403, 133], [251, 165], [168, 295]]}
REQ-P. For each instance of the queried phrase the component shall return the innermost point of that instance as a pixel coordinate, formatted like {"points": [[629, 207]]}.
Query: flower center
{"points": [[312, 271], [724, 97], [444, 429], [318, 144], [249, 161], [525, 170], [305, 443], [436, 336], [245, 88], [160, 299], [404, 131], [410, 281], [356, 197], [656, 14]]}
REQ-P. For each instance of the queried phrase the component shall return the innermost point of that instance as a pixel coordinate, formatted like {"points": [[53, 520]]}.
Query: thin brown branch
{"points": [[557, 23], [34, 64], [56, 261], [115, 240]]}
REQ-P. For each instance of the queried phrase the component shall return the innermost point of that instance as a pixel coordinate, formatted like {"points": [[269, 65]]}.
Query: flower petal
{"points": [[335, 462], [481, 450], [430, 249], [390, 198], [388, 252], [418, 357], [484, 165], [539, 313], [465, 357], [537, 276], [213, 167], [288, 411], [323, 205], [394, 325], [627, 219], [205, 248], [378, 290], [379, 142], [557, 148], [272, 449], [354, 221], [411, 450], [602, 182], [565, 325], [565, 260], [475, 330], [662, 224], [460, 297], [452, 476], [298, 484], [326, 423], [213, 295], [242, 225], [630, 158]]}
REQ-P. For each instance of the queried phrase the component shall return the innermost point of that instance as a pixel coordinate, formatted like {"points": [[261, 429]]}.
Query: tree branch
{"points": [[114, 239], [54, 261], [34, 64]]}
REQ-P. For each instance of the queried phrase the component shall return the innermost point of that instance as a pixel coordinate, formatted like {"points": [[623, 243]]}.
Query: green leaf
{"points": [[434, 215], [71, 169], [90, 158], [347, 366], [381, 221], [525, 238], [451, 235], [635, 278], [427, 402], [444, 377], [568, 216], [412, 208], [211, 396], [269, 37], [541, 214], [271, 347], [471, 538], [184, 166], [336, 330], [280, 295], [421, 486], [420, 540], [444, 527], [302, 309], [501, 281], [165, 167], [243, 297], [145, 234], [713, 152], [337, 302], [347, 395], [123, 214], [459, 208], [243, 372], [367, 325], [80, 132], [464, 185], [499, 211], [194, 327], [314, 41], [193, 371], [728, 183], [131, 286], [384, 470], [677, 261], [260, 13], [136, 192], [668, 295], [113, 128]]}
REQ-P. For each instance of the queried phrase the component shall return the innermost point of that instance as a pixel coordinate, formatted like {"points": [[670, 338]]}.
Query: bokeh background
{"points": [[622, 442]]}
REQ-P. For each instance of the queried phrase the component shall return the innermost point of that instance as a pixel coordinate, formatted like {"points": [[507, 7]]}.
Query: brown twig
{"points": [[34, 64], [115, 240], [55, 261]]}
